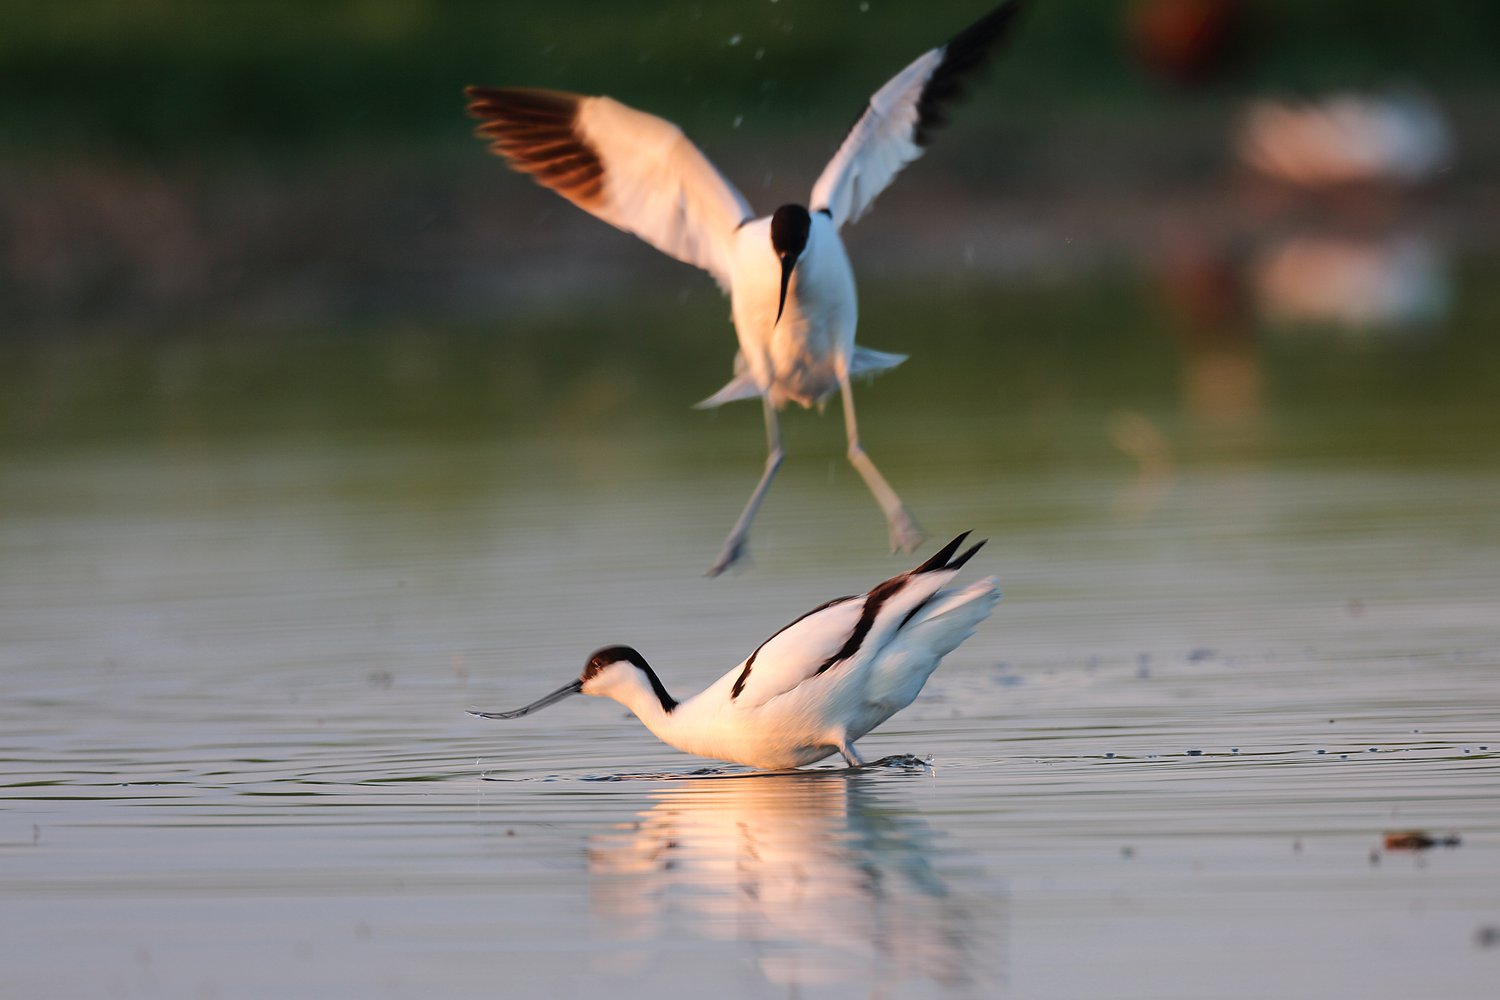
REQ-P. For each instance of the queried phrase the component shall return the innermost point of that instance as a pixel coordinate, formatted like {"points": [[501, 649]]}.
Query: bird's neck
{"points": [[646, 696]]}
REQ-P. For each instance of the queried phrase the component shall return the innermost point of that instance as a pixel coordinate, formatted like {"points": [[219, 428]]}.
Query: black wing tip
{"points": [[487, 102], [949, 558], [967, 554], [943, 558], [976, 39], [964, 53], [485, 99]]}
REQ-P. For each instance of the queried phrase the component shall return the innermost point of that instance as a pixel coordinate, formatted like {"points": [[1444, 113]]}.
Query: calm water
{"points": [[1251, 625]]}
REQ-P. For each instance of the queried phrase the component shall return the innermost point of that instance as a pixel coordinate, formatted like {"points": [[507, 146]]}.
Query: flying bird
{"points": [[814, 687], [787, 274]]}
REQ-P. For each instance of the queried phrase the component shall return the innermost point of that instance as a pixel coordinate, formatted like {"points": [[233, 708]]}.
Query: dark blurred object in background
{"points": [[1184, 41]]}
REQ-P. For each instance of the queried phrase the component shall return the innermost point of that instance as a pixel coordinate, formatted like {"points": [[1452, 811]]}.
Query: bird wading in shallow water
{"points": [[787, 275], [814, 687]]}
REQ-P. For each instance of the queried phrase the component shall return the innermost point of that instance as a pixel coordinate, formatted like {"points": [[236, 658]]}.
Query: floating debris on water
{"points": [[1418, 840]]}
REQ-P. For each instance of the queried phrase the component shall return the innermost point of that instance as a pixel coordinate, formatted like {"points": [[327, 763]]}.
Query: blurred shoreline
{"points": [[109, 246], [175, 167]]}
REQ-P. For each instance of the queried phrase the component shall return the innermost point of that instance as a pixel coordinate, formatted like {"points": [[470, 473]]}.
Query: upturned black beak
{"points": [[788, 261], [572, 687]]}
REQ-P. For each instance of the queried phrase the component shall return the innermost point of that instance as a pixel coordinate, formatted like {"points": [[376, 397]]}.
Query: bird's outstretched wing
{"points": [[844, 630], [897, 125], [633, 170]]}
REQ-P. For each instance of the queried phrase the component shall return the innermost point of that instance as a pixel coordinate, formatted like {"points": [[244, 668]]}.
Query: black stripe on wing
{"points": [[881, 593], [943, 559], [962, 56], [739, 682]]}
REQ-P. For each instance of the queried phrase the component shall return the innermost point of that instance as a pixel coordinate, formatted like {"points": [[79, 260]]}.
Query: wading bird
{"points": [[814, 687], [787, 275]]}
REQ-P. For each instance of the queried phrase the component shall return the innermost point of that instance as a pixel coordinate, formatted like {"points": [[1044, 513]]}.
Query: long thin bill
{"points": [[573, 687], [786, 278]]}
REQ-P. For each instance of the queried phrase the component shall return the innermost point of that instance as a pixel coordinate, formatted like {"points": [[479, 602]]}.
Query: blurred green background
{"points": [[207, 205], [167, 80]]}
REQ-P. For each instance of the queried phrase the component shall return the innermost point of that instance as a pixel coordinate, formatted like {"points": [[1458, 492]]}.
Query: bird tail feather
{"points": [[742, 386], [951, 617], [940, 627], [978, 598], [867, 362]]}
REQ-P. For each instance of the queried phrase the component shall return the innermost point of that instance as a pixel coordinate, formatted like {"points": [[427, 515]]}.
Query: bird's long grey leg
{"points": [[846, 747], [905, 535], [734, 545]]}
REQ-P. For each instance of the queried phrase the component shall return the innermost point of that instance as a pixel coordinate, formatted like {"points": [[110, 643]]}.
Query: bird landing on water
{"points": [[787, 274]]}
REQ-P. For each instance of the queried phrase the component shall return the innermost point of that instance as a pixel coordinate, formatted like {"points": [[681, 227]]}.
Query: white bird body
{"points": [[788, 276], [801, 357], [816, 686]]}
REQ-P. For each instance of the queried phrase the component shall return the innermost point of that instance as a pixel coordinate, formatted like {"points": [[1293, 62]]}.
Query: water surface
{"points": [[248, 589]]}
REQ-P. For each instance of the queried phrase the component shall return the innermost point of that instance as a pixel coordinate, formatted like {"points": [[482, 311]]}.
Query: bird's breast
{"points": [[798, 357]]}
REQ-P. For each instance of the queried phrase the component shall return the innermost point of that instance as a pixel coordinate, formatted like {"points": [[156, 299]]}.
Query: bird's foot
{"points": [[733, 551], [904, 762], [905, 534]]}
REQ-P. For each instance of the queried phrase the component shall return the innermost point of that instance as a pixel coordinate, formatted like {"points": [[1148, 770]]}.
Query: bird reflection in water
{"points": [[817, 875]]}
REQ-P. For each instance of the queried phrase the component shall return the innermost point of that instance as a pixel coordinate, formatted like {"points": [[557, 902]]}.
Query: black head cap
{"points": [[789, 228], [602, 658]]}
